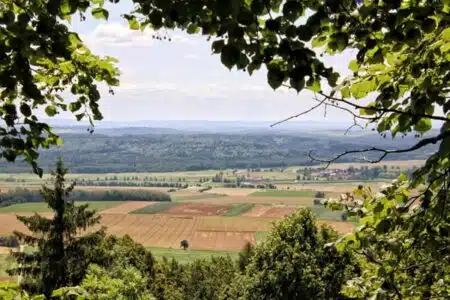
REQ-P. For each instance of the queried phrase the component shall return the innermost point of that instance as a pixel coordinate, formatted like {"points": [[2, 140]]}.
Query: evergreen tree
{"points": [[62, 255]]}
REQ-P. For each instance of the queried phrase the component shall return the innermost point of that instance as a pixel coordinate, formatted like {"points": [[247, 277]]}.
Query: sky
{"points": [[183, 80]]}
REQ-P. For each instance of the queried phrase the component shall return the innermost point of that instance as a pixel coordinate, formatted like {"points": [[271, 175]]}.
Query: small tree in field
{"points": [[184, 244], [62, 255]]}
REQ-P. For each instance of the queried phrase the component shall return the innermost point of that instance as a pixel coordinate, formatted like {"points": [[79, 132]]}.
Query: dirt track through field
{"points": [[127, 207]]}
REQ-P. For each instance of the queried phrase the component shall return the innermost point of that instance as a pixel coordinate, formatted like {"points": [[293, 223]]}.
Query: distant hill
{"points": [[144, 149]]}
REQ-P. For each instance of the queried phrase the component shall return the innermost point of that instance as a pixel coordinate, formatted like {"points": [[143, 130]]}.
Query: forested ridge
{"points": [[98, 153]]}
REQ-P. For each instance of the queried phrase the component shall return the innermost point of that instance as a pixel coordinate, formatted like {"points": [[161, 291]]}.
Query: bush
{"points": [[317, 201], [319, 194]]}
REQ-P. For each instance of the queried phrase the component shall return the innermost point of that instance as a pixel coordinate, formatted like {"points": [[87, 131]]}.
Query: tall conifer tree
{"points": [[64, 247]]}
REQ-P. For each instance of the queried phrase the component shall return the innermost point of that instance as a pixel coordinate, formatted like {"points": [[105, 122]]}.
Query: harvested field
{"points": [[256, 200], [284, 193], [270, 211], [165, 230], [127, 207], [231, 191], [199, 209]]}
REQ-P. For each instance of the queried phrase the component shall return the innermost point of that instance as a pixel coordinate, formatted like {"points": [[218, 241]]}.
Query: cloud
{"points": [[120, 35]]}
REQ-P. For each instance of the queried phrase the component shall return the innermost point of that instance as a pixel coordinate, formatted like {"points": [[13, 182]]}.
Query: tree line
{"points": [[23, 195]]}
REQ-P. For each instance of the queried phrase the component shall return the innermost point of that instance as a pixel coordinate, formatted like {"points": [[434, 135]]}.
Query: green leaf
{"points": [[229, 56], [319, 41], [275, 77], [353, 66], [366, 111], [217, 46], [314, 85], [298, 85], [193, 28], [25, 109], [100, 13], [133, 23], [423, 125], [51, 110], [74, 40], [446, 35], [345, 92]]}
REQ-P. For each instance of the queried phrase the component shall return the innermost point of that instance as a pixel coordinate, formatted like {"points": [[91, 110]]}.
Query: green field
{"points": [[41, 207], [186, 256], [155, 208], [284, 193], [239, 209]]}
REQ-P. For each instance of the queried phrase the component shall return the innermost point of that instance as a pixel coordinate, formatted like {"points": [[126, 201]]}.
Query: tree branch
{"points": [[385, 110], [420, 144], [300, 114]]}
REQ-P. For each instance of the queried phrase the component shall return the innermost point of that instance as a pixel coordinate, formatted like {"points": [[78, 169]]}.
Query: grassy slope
{"points": [[41, 207], [186, 256], [284, 193]]}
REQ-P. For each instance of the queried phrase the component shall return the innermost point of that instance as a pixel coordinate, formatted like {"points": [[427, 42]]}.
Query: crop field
{"points": [[239, 209], [270, 211], [198, 209], [257, 200], [283, 193], [41, 207], [231, 191], [185, 196], [127, 207], [165, 230], [154, 208]]}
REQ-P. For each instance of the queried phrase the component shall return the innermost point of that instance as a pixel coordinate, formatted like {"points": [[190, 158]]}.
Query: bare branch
{"points": [[300, 114], [384, 152], [384, 110]]}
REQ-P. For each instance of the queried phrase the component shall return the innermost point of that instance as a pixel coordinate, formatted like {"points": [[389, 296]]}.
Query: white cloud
{"points": [[120, 35]]}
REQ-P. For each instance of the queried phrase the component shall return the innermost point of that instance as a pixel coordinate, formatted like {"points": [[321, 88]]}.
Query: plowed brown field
{"points": [[127, 207], [198, 209]]}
